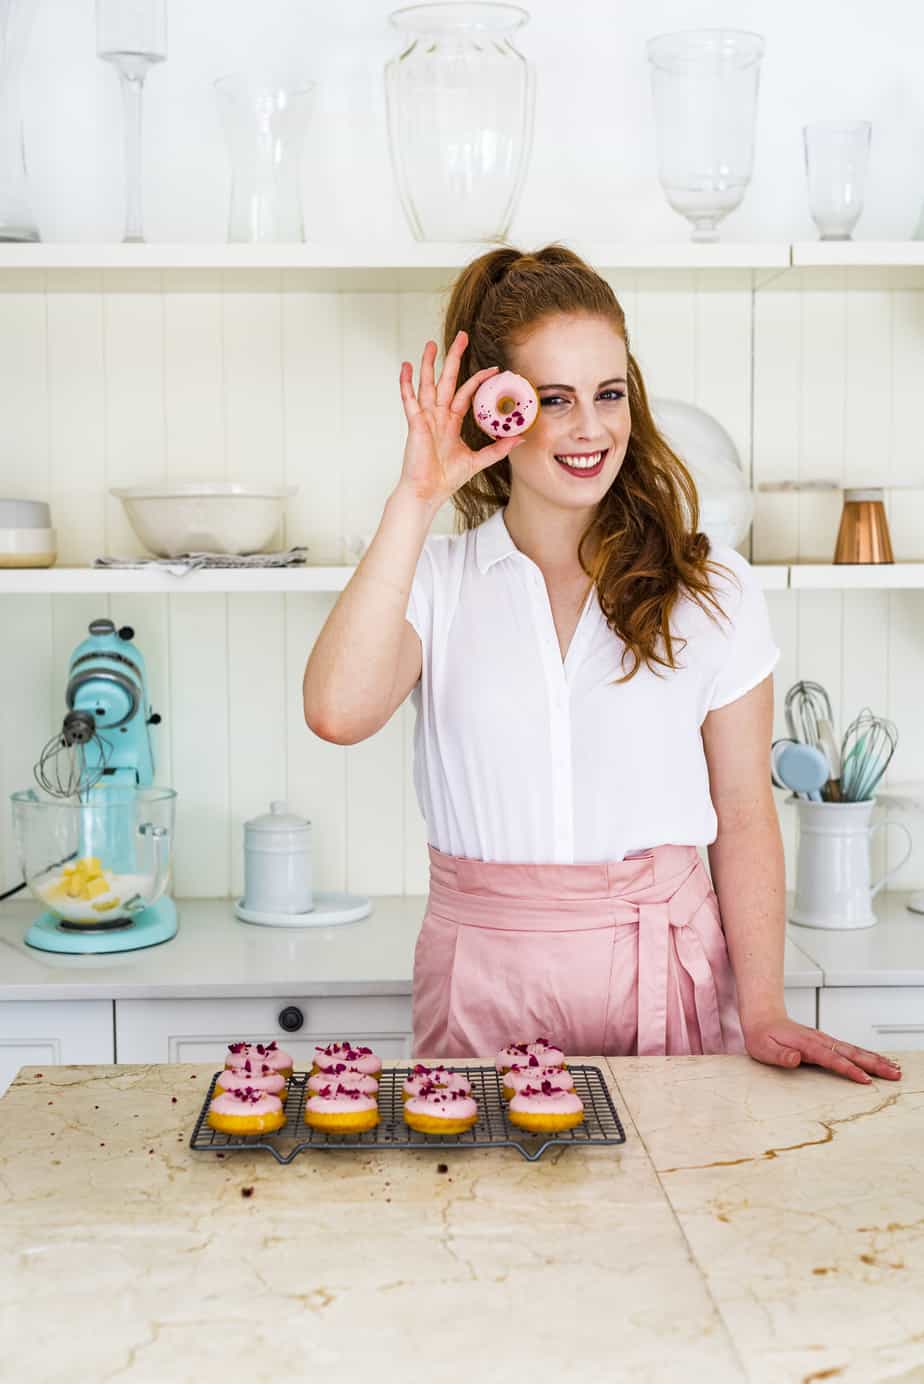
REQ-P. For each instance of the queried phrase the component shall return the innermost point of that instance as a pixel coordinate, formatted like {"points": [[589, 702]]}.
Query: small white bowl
{"points": [[219, 517], [25, 514], [28, 547]]}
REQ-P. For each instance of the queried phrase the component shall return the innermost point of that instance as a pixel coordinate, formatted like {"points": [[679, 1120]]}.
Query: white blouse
{"points": [[521, 756]]}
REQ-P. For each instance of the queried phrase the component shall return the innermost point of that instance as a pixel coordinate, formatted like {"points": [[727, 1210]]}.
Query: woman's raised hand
{"points": [[436, 460]]}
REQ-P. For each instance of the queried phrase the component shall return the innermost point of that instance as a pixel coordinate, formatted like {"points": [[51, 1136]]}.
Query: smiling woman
{"points": [[593, 696]]}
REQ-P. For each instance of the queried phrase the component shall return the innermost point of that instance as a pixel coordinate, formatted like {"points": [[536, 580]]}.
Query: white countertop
{"points": [[215, 955], [759, 1226]]}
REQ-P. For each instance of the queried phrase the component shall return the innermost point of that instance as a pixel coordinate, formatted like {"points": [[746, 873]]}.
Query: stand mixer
{"points": [[95, 844]]}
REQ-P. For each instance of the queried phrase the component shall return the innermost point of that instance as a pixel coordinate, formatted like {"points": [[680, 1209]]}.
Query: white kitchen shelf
{"points": [[381, 255], [384, 256], [858, 254], [74, 581], [885, 576]]}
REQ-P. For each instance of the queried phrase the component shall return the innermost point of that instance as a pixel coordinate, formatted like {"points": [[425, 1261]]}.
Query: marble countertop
{"points": [[758, 1226], [217, 956]]}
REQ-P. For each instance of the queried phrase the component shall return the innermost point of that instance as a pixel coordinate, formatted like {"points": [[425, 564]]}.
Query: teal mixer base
{"points": [[152, 925]]}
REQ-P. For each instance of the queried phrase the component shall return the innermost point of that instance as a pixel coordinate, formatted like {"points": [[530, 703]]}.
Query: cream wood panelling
{"points": [[110, 377]]}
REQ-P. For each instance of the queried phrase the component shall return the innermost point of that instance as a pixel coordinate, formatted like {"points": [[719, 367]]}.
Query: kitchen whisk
{"points": [[62, 768], [866, 751], [807, 704]]}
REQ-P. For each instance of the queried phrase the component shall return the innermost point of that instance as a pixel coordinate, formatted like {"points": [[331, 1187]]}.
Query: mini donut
{"points": [[246, 1111], [505, 405], [440, 1077], [549, 1055], [518, 1077], [269, 1053], [437, 1111], [337, 1110], [349, 1081], [254, 1074], [357, 1059], [543, 1110]]}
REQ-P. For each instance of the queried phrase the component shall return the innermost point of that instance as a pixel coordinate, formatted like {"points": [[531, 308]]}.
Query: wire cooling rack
{"points": [[601, 1124]]}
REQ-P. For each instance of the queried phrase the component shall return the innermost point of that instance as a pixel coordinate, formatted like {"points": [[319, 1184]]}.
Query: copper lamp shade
{"points": [[863, 535]]}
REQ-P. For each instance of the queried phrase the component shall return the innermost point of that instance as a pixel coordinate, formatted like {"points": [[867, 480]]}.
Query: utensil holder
{"points": [[833, 887]]}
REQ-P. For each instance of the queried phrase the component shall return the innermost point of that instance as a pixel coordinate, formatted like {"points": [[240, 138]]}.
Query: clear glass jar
{"points": [[460, 101], [704, 84], [265, 121], [16, 219]]}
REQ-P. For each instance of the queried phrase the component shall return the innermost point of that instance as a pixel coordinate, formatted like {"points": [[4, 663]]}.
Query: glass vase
{"points": [[16, 219], [460, 101], [704, 84], [265, 121]]}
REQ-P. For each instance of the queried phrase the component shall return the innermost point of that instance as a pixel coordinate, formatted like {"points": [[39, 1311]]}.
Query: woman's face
{"points": [[578, 366]]}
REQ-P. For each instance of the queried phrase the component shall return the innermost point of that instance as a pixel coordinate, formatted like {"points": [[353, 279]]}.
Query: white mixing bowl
{"points": [[218, 517]]}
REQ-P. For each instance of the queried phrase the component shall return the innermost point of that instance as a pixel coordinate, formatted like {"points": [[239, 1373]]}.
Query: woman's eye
{"points": [[613, 394], [552, 399]]}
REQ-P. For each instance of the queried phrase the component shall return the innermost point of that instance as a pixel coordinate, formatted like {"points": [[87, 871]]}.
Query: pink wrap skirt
{"points": [[615, 958]]}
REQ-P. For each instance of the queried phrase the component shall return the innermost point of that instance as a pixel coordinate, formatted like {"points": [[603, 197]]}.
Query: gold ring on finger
{"points": [[834, 1047]]}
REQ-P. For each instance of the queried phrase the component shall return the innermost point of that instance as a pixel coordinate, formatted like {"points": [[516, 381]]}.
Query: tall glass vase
{"points": [[705, 84], [265, 121], [460, 101], [16, 219]]}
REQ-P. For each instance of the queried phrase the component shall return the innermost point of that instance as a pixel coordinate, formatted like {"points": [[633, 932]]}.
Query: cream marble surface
{"points": [[756, 1226], [214, 954]]}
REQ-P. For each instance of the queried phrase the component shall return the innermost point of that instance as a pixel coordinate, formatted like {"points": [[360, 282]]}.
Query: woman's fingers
{"points": [[450, 371], [408, 397], [847, 1059], [463, 399], [426, 394], [495, 451]]}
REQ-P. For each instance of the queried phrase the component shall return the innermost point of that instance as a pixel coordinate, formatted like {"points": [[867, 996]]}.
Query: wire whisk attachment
{"points": [[866, 752], [62, 769]]}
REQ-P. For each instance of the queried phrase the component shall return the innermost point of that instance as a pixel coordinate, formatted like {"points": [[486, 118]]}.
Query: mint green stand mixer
{"points": [[95, 842]]}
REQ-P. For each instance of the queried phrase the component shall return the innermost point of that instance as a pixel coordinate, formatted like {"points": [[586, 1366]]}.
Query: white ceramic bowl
{"points": [[219, 517], [25, 514], [726, 500], [28, 547]]}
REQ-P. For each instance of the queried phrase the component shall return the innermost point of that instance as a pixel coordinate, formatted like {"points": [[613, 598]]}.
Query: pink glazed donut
{"points": [[505, 405]]}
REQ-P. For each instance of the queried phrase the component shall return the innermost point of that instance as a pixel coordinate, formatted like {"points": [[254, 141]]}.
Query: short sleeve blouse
{"points": [[521, 756]]}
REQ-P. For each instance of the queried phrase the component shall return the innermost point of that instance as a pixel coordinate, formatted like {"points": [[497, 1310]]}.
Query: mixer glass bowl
{"points": [[96, 861]]}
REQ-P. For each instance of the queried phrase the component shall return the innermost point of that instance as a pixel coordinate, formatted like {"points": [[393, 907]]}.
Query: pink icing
{"points": [[546, 1101], [357, 1059], [549, 1055], [346, 1079], [246, 1101], [507, 423], [260, 1077], [448, 1105], [270, 1054], [557, 1078], [436, 1076], [338, 1100]]}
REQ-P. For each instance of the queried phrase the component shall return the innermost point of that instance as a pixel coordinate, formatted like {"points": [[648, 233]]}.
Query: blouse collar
{"points": [[493, 541]]}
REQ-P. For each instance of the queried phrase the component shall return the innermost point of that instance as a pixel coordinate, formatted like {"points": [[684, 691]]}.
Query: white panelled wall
{"points": [[115, 377]]}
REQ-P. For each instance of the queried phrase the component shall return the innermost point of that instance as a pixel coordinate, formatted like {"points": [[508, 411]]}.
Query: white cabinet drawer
{"points": [[200, 1030], [50, 1033], [886, 1018], [801, 1005]]}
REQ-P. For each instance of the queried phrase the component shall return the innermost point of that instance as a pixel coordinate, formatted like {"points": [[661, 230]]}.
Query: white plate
{"points": [[329, 909]]}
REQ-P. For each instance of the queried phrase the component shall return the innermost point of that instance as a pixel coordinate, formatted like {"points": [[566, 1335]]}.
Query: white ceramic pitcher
{"points": [[833, 888]]}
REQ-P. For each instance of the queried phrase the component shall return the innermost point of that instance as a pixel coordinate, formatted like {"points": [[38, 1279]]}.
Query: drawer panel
{"points": [[886, 1018], [52, 1033], [200, 1030]]}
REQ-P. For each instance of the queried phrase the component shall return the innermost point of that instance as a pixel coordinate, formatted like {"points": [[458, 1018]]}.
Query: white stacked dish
{"points": [[26, 536]]}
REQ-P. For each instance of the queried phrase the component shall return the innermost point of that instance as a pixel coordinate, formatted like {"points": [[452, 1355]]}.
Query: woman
{"points": [[594, 701]]}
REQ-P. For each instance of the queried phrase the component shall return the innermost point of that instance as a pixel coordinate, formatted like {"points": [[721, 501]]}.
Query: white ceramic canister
{"points": [[277, 862], [833, 886]]}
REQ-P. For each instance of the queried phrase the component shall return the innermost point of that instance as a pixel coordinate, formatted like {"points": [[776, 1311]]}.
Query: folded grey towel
{"points": [[192, 562]]}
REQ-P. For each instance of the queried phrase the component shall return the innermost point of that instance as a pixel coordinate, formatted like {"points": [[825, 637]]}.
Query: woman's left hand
{"points": [[782, 1043]]}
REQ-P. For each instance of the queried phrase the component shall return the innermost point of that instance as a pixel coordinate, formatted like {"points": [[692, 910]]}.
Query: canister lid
{"points": [[279, 818]]}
